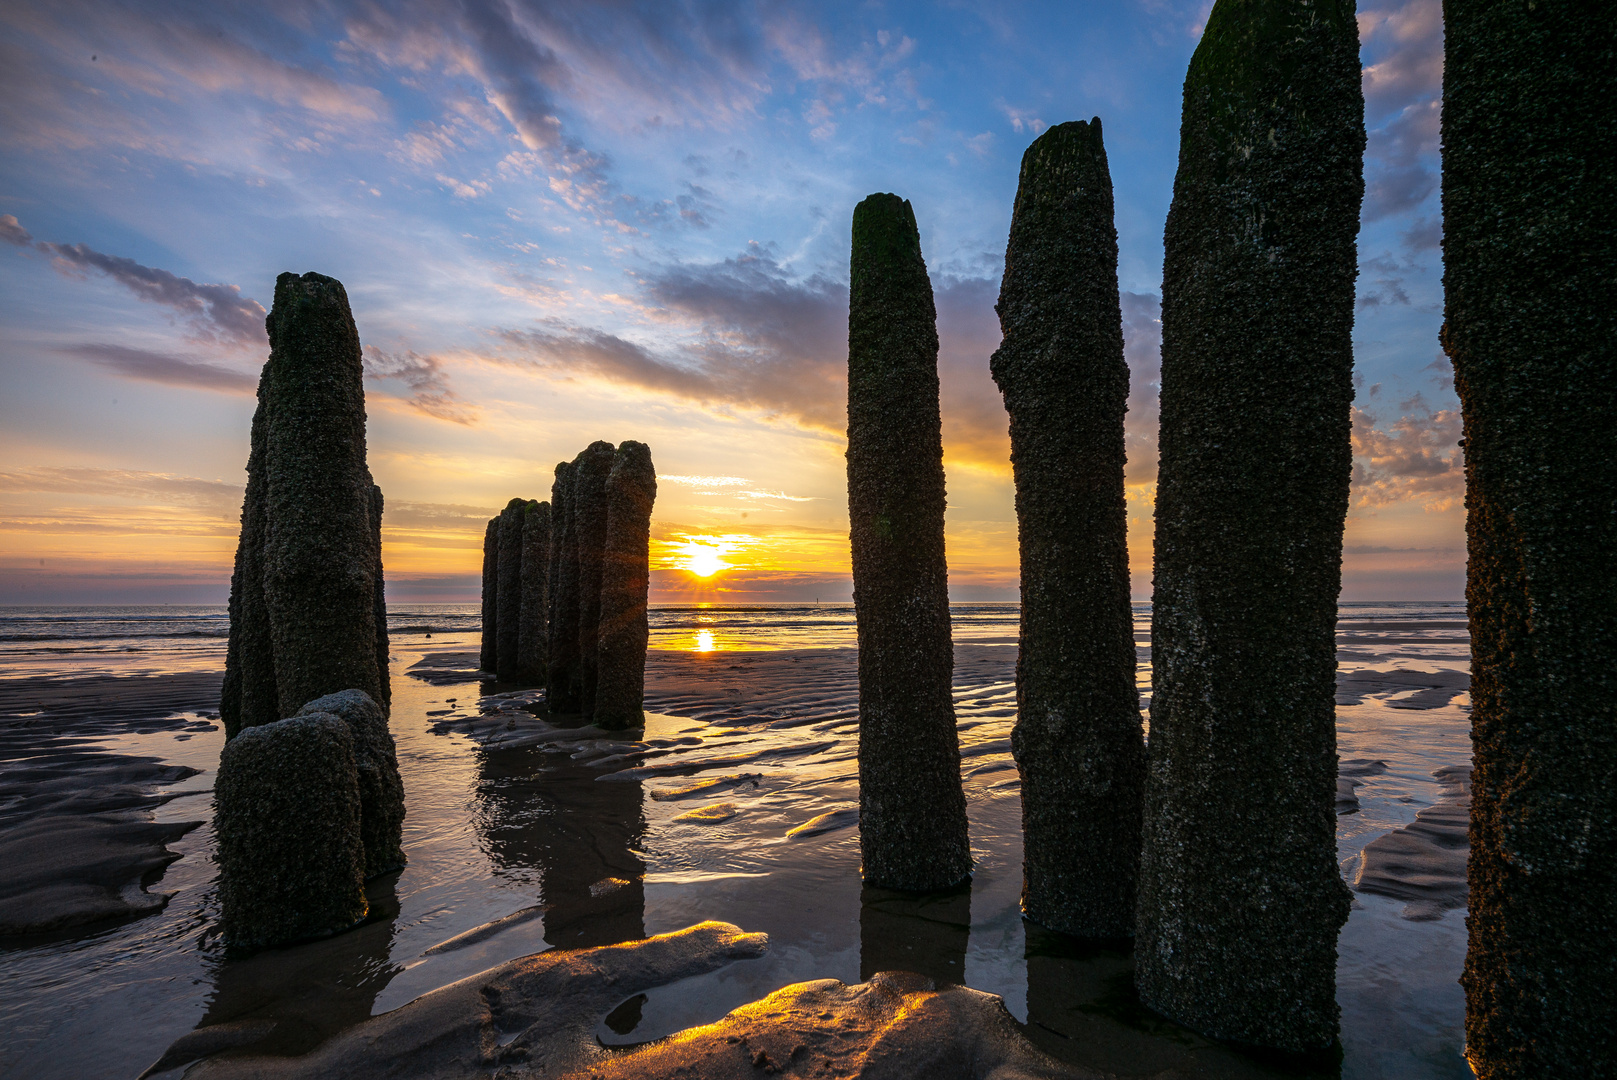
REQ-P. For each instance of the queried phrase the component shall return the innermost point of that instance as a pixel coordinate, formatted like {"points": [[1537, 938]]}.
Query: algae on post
{"points": [[1240, 894], [561, 667], [308, 615], [535, 574], [1078, 739], [509, 590], [249, 696], [590, 470], [1530, 257], [488, 655], [631, 489], [912, 809], [319, 570], [287, 817], [379, 604]]}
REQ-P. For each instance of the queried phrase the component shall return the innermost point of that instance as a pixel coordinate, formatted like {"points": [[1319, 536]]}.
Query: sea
{"points": [[583, 841]]}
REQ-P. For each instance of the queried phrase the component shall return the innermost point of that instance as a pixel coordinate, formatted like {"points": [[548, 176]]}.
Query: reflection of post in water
{"points": [[921, 932], [288, 1000], [544, 816], [1081, 999], [1083, 1009]]}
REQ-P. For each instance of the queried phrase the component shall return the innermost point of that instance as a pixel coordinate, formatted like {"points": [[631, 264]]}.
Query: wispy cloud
{"points": [[758, 339], [1405, 44], [215, 312], [149, 487], [704, 481], [162, 368], [1414, 458], [708, 485], [82, 74], [1403, 85], [424, 379], [12, 232], [1142, 348]]}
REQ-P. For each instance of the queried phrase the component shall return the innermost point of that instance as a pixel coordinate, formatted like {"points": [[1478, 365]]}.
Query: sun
{"points": [[703, 560]]}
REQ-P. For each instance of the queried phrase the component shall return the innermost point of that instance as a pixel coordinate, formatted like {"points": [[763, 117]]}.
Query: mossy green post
{"points": [[631, 489], [912, 809], [561, 647], [535, 575], [1530, 261], [1240, 894], [1078, 740], [319, 560], [509, 590], [488, 657], [590, 470], [249, 696]]}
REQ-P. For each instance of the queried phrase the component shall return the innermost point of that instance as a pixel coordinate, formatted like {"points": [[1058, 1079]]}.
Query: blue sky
{"points": [[567, 221]]}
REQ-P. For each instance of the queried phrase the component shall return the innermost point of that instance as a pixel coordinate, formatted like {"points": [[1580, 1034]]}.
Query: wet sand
{"points": [[526, 832], [78, 842]]}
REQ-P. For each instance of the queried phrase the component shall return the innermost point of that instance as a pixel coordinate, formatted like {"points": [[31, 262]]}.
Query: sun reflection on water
{"points": [[704, 641]]}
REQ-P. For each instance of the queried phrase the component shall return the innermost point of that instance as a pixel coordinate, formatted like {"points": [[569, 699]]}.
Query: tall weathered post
{"points": [[249, 697], [1078, 739], [1530, 255], [1240, 895], [912, 809], [509, 589], [488, 657], [535, 575], [631, 489], [379, 605], [319, 558], [590, 470], [561, 647], [304, 811]]}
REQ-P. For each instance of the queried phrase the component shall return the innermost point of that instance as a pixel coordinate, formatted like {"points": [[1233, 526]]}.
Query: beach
{"points": [[737, 803]]}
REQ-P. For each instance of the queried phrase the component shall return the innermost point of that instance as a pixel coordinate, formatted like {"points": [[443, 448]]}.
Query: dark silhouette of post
{"points": [[590, 470], [535, 575], [379, 605], [510, 589], [381, 789], [249, 697], [631, 489], [1530, 257], [1240, 895], [287, 816], [488, 657], [1078, 739], [912, 809], [561, 668], [306, 595]]}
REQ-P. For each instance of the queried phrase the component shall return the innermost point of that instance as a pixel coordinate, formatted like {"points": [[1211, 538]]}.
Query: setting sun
{"points": [[704, 560]]}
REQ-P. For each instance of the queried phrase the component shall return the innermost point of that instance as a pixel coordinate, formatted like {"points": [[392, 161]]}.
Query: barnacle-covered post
{"points": [[912, 809]]}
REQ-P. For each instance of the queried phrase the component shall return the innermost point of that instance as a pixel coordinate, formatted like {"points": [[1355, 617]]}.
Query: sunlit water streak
{"points": [[761, 701]]}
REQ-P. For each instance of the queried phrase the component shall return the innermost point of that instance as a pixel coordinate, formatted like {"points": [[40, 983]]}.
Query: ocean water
{"points": [[736, 803]]}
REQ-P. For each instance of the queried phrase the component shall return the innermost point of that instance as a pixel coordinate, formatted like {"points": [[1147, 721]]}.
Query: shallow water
{"points": [[601, 832]]}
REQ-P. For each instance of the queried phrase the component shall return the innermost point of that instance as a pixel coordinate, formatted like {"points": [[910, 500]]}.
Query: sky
{"points": [[565, 221]]}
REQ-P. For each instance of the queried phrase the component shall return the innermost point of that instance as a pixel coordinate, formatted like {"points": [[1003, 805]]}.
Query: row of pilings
{"points": [[566, 583], [1214, 845], [309, 801]]}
